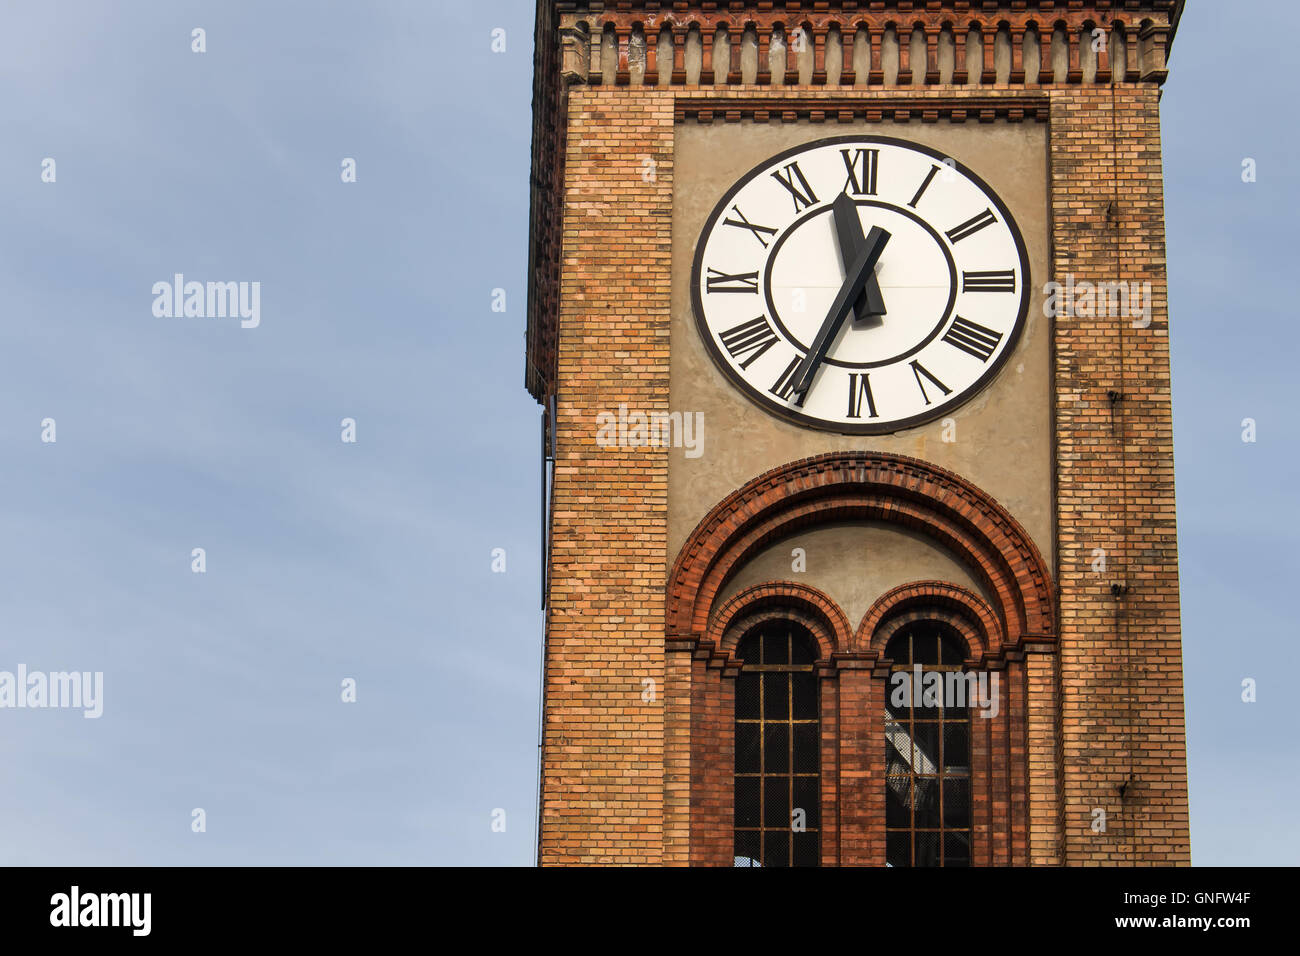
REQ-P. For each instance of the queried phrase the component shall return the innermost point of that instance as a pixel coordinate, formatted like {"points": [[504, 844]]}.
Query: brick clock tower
{"points": [[849, 324]]}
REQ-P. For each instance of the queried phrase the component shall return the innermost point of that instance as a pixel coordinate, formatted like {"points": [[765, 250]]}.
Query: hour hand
{"points": [[848, 233]]}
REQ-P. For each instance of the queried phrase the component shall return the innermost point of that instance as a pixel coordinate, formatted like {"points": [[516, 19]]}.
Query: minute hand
{"points": [[855, 280]]}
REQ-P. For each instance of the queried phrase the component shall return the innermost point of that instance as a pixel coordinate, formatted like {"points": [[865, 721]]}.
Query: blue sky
{"points": [[372, 560], [325, 560], [1231, 95]]}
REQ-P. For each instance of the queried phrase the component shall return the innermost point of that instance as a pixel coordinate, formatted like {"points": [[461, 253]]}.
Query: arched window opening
{"points": [[927, 751], [777, 775]]}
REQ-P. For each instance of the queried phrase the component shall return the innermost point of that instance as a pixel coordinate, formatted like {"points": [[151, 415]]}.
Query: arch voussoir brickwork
{"points": [[844, 486], [823, 617], [964, 610]]}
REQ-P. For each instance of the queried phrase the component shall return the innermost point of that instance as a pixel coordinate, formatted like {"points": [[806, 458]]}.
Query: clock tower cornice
{"points": [[851, 49]]}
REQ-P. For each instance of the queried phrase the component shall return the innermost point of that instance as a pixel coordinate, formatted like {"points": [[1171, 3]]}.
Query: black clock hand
{"points": [[855, 281], [848, 233]]}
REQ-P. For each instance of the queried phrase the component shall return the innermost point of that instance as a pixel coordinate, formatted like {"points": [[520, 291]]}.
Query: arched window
{"points": [[927, 750], [777, 777]]}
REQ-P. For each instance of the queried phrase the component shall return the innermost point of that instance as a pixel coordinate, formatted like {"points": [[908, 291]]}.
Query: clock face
{"points": [[860, 284]]}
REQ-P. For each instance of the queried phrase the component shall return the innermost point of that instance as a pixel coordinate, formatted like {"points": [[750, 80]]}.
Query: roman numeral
{"points": [[861, 183], [803, 193], [925, 184], [918, 370], [743, 223], [972, 338], [754, 336], [715, 281], [860, 388], [971, 226], [1004, 281], [784, 386]]}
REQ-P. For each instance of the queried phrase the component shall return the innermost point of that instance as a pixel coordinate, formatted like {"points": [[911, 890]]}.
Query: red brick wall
{"points": [[1120, 658], [602, 744]]}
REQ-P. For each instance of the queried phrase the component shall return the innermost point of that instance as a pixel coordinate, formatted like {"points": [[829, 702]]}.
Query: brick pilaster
{"points": [[1121, 653], [603, 743]]}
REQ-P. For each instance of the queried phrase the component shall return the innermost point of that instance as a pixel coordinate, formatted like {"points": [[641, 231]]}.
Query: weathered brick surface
{"points": [[602, 786], [1120, 657]]}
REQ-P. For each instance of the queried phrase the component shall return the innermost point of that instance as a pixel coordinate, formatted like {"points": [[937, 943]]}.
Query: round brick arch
{"points": [[822, 616], [962, 609], [856, 486]]}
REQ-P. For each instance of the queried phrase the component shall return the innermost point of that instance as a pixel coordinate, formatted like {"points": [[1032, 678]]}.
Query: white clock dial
{"points": [[948, 301]]}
